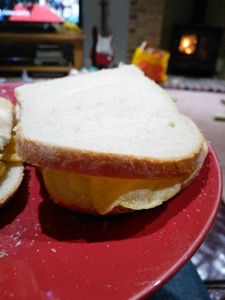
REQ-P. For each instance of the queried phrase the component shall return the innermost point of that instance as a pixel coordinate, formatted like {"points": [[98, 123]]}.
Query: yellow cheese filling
{"points": [[8, 155], [102, 194]]}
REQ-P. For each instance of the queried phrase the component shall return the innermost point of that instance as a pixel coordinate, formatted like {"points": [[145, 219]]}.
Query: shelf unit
{"points": [[65, 37]]}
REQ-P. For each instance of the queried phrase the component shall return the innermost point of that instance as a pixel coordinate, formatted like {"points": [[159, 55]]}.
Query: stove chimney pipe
{"points": [[199, 11]]}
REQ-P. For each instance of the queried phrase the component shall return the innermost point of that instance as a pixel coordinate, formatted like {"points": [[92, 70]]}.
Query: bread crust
{"points": [[105, 164]]}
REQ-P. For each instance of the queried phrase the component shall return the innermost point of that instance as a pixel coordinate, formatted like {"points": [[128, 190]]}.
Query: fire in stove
{"points": [[188, 44], [195, 46]]}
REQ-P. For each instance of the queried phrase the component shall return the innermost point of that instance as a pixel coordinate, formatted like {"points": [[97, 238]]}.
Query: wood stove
{"points": [[194, 50]]}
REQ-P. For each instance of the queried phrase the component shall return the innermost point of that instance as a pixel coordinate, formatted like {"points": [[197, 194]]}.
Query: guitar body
{"points": [[104, 51]]}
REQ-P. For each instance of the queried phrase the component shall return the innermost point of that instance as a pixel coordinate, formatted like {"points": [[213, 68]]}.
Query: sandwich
{"points": [[11, 166], [107, 142]]}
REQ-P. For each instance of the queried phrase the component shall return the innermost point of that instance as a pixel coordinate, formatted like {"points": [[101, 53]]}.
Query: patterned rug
{"points": [[195, 84]]}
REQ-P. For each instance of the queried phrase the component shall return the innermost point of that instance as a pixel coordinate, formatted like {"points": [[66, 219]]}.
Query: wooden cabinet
{"points": [[73, 38]]}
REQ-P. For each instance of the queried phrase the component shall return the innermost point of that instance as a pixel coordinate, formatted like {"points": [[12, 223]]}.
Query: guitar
{"points": [[102, 52]]}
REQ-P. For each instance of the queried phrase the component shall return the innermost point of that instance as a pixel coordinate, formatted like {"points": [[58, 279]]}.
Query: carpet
{"points": [[215, 85]]}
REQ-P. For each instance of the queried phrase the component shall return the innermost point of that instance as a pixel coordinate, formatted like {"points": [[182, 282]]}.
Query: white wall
{"points": [[117, 22]]}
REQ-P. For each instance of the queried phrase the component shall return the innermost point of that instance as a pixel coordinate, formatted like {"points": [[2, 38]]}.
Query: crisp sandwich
{"points": [[109, 141]]}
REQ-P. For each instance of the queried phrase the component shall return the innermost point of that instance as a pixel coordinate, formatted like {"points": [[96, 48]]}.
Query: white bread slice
{"points": [[10, 181], [114, 123]]}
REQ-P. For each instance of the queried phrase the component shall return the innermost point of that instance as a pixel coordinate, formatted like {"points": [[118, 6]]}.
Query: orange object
{"points": [[152, 61]]}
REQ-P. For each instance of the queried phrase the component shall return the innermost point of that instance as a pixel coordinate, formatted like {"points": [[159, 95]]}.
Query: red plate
{"points": [[47, 252]]}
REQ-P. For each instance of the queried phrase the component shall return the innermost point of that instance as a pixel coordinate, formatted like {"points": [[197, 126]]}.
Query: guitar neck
{"points": [[104, 29]]}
